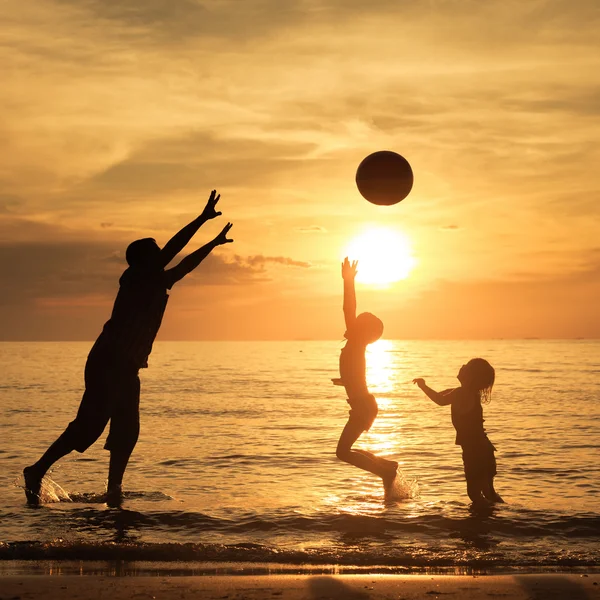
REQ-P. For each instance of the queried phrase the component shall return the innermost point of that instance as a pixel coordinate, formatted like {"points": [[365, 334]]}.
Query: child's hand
{"points": [[210, 211], [420, 382], [349, 269]]}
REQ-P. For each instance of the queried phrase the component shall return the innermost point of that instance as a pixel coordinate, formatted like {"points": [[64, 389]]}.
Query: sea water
{"points": [[236, 458]]}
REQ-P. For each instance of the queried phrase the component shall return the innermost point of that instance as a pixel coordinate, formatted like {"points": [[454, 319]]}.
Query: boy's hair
{"points": [[483, 377], [368, 327], [138, 252]]}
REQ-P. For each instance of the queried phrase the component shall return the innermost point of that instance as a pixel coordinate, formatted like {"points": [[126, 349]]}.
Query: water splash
{"points": [[50, 491], [402, 489]]}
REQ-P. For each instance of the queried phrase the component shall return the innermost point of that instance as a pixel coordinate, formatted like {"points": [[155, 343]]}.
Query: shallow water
{"points": [[236, 458]]}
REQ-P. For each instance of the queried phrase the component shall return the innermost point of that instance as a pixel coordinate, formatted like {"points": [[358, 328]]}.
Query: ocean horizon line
{"points": [[271, 340]]}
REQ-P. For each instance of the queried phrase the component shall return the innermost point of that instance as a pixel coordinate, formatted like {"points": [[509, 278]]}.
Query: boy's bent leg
{"points": [[360, 458]]}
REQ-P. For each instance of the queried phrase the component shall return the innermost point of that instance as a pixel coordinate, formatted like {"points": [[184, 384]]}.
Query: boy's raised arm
{"points": [[348, 275], [190, 262], [178, 242]]}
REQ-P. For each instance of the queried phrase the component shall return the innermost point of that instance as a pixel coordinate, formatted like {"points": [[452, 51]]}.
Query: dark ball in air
{"points": [[384, 178]]}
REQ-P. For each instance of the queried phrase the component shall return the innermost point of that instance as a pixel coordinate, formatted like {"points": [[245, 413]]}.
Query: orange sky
{"points": [[118, 118]]}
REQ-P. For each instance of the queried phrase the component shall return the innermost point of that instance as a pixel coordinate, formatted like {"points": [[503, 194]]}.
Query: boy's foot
{"points": [[114, 497], [390, 474], [33, 485]]}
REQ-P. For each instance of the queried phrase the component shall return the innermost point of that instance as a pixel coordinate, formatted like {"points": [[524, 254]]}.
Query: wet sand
{"points": [[309, 587]]}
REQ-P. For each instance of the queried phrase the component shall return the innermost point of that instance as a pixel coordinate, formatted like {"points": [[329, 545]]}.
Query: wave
{"points": [[414, 556], [513, 524]]}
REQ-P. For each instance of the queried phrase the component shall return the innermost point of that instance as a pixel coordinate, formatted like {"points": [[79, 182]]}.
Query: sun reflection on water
{"points": [[380, 376]]}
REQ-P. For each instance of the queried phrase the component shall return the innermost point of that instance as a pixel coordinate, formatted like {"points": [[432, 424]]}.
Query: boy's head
{"points": [[479, 375], [144, 253], [366, 329]]}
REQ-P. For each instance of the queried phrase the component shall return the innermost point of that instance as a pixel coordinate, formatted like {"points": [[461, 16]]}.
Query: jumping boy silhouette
{"points": [[112, 385], [361, 331]]}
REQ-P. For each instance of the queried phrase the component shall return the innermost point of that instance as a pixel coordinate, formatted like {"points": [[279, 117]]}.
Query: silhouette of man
{"points": [[112, 385]]}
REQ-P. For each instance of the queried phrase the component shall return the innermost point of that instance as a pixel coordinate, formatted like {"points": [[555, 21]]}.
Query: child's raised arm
{"points": [[348, 275], [440, 398]]}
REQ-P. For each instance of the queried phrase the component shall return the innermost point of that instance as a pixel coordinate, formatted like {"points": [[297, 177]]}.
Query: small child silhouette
{"points": [[476, 381]]}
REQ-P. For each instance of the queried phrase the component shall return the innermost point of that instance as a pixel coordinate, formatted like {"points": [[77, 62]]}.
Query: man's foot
{"points": [[114, 496], [33, 485], [390, 474]]}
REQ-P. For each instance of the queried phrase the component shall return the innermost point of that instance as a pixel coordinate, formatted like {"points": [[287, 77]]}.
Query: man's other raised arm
{"points": [[190, 262], [180, 240]]}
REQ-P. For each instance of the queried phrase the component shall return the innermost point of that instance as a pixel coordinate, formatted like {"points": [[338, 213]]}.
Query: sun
{"points": [[384, 256]]}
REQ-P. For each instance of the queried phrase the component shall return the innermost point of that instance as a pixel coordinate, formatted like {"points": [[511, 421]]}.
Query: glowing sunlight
{"points": [[384, 256]]}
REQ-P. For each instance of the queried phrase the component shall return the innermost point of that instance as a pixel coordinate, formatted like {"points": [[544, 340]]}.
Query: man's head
{"points": [[144, 253]]}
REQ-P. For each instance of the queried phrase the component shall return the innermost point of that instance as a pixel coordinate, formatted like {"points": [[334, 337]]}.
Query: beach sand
{"points": [[309, 587]]}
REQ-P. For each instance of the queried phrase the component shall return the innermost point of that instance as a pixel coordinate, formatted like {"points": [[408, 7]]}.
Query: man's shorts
{"points": [[479, 460], [112, 393], [363, 411]]}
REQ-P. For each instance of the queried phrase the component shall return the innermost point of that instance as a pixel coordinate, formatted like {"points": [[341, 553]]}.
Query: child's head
{"points": [[366, 329], [479, 375], [144, 253]]}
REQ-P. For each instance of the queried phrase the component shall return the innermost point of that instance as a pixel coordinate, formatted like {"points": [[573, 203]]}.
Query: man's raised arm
{"points": [[190, 262], [178, 242]]}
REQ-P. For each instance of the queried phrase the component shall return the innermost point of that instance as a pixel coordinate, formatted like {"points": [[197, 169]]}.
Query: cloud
{"points": [[31, 271], [259, 260], [8, 203], [178, 21], [197, 161], [311, 229]]}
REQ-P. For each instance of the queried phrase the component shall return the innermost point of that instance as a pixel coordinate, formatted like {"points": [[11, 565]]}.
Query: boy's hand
{"points": [[222, 237], [209, 211], [349, 269], [420, 382]]}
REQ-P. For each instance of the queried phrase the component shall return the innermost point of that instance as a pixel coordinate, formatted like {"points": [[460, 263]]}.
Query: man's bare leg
{"points": [[116, 470]]}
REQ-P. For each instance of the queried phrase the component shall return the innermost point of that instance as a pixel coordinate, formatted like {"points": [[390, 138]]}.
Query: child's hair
{"points": [[483, 377], [368, 327]]}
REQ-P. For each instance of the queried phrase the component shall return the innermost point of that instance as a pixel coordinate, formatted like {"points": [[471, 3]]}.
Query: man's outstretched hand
{"points": [[222, 237], [210, 211]]}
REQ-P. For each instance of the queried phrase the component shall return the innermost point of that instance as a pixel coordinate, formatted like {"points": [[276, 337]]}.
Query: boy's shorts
{"points": [[479, 460], [112, 393], [363, 411]]}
